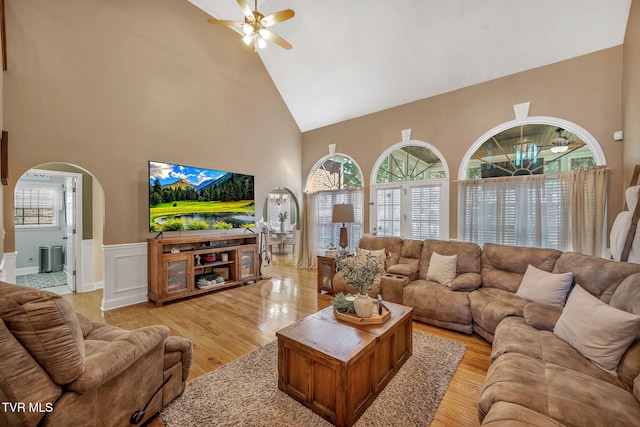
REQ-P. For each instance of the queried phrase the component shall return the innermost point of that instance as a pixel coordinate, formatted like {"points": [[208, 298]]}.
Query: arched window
{"points": [[529, 149], [518, 185], [335, 179], [410, 192]]}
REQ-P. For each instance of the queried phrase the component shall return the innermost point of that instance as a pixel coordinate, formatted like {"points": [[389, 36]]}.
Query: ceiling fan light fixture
{"points": [[255, 24], [559, 145]]}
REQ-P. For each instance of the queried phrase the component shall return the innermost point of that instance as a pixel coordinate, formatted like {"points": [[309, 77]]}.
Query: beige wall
{"points": [[109, 85], [631, 93], [584, 90]]}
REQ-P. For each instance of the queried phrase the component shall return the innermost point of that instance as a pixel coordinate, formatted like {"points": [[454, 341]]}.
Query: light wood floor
{"points": [[227, 324]]}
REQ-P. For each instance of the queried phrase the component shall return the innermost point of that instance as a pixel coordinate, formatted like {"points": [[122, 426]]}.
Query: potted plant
{"points": [[282, 217], [360, 272]]}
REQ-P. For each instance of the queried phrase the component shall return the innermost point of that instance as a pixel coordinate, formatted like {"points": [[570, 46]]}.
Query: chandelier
{"points": [[278, 198]]}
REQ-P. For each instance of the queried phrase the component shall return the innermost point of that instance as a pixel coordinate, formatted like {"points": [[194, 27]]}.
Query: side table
{"points": [[326, 271]]}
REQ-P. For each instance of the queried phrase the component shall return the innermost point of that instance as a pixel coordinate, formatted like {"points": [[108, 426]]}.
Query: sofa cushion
{"points": [[339, 284], [404, 270], [378, 255], [431, 300], [469, 255], [627, 297], [503, 266], [490, 305], [442, 268], [544, 287], [466, 282], [600, 332], [22, 379], [598, 276], [46, 325], [567, 396], [541, 316], [508, 414], [391, 244], [636, 388], [111, 350], [411, 250], [514, 335]]}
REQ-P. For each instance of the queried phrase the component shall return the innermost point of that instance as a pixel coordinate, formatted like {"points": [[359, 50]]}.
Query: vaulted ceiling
{"points": [[355, 57]]}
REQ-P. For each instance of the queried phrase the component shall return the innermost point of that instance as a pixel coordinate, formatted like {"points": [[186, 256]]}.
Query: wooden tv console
{"points": [[176, 264]]}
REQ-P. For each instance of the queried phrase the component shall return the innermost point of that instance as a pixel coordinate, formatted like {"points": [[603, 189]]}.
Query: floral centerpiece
{"points": [[282, 217], [360, 272]]}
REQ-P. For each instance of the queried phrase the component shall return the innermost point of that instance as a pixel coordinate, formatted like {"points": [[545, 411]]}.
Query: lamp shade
{"points": [[342, 212]]}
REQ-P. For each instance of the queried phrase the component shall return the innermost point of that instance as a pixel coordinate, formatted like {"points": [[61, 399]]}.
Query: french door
{"points": [[417, 210]]}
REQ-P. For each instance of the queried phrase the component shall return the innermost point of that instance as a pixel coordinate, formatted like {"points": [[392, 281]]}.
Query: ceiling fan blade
{"points": [[246, 9], [224, 22], [268, 34], [277, 17]]}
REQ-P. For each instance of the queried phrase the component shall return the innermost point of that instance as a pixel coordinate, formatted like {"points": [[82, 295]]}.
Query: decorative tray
{"points": [[373, 320]]}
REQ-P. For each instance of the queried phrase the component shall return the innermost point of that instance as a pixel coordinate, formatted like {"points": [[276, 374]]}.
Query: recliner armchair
{"points": [[59, 368]]}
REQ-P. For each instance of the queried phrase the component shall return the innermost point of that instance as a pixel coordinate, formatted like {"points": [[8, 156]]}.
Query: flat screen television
{"points": [[190, 198]]}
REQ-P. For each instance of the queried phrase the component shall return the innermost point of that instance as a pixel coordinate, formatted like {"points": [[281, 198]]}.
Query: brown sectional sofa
{"points": [[64, 370], [535, 377]]}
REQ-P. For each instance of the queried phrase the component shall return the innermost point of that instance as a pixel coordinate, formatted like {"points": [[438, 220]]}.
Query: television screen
{"points": [[190, 198]]}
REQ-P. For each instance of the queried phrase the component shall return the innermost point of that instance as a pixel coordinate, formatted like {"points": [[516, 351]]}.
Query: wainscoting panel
{"points": [[125, 275], [8, 267]]}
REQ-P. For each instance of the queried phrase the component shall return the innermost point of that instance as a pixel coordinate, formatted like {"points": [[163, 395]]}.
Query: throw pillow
{"points": [[598, 331], [442, 268], [544, 287], [379, 255]]}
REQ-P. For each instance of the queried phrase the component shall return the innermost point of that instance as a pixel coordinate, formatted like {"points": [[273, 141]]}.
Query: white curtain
{"points": [[588, 189], [529, 211], [565, 211], [307, 252]]}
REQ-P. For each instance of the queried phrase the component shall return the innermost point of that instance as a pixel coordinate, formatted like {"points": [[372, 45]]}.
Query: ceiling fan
{"points": [[255, 26]]}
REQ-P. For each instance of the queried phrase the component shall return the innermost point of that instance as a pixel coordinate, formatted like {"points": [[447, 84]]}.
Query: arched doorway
{"points": [[59, 221]]}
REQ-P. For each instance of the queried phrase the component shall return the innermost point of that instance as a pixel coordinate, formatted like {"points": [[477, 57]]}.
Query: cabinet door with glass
{"points": [[178, 272], [248, 263], [326, 271]]}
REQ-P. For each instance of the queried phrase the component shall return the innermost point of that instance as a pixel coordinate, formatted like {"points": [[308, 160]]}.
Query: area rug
{"points": [[43, 280], [245, 392]]}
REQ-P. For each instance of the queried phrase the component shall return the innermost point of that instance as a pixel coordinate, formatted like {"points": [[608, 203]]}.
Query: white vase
{"points": [[363, 306]]}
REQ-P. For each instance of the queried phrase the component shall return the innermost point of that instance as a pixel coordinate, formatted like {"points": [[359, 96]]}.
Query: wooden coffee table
{"points": [[337, 368]]}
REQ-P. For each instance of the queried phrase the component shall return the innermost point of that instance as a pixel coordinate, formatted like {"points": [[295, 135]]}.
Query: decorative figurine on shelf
{"points": [[197, 257]]}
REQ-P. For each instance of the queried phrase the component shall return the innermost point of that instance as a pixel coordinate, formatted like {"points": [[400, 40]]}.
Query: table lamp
{"points": [[343, 213]]}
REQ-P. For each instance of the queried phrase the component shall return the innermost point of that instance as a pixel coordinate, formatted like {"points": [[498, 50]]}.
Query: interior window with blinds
{"points": [[328, 233], [522, 211], [37, 205], [335, 179]]}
